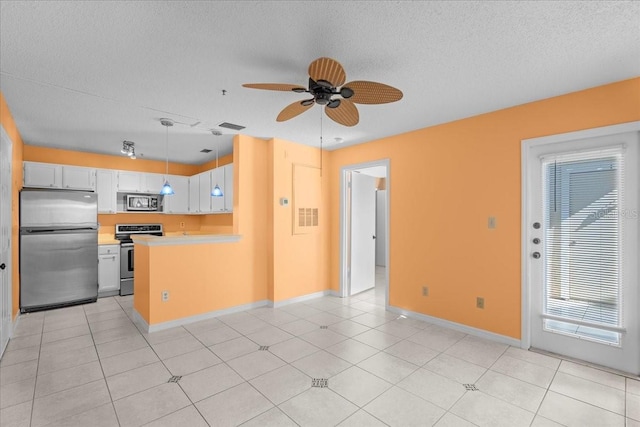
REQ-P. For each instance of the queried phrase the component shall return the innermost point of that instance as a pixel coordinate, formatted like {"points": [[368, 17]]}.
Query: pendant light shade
{"points": [[217, 191], [166, 188]]}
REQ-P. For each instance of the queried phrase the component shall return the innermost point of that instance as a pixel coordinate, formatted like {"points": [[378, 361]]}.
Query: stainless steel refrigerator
{"points": [[58, 248]]}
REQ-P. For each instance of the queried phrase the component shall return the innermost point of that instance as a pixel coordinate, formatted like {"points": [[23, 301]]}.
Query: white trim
{"points": [[137, 318], [526, 145], [480, 333], [302, 298], [344, 292]]}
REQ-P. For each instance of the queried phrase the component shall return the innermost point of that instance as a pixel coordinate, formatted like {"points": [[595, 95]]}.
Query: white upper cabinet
{"points": [[44, 175], [78, 178], [205, 191], [228, 187], [139, 182], [49, 175], [106, 189], [152, 182], [217, 178], [129, 181], [178, 203], [194, 194]]}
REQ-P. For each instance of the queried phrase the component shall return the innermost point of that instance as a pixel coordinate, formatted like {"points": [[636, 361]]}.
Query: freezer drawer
{"points": [[58, 268]]}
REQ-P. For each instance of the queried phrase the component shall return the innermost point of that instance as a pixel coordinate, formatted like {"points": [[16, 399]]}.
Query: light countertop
{"points": [[185, 239]]}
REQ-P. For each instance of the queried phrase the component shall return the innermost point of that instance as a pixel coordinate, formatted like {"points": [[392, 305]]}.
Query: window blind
{"points": [[582, 251]]}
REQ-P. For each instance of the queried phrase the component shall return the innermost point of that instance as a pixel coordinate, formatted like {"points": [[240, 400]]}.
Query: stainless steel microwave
{"points": [[142, 202]]}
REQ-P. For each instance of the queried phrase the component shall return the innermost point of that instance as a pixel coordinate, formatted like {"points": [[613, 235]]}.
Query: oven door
{"points": [[126, 269], [126, 261]]}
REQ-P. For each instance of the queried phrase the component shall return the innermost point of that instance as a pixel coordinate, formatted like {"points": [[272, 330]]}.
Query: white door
{"points": [[5, 240], [582, 246], [363, 230]]}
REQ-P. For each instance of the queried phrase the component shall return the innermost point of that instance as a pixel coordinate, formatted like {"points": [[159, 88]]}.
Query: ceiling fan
{"points": [[326, 75]]}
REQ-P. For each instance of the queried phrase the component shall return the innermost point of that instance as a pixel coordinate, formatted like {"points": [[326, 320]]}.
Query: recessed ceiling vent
{"points": [[205, 150], [231, 126]]}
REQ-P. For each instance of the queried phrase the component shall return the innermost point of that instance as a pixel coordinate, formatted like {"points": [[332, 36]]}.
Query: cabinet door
{"points": [[205, 191], [78, 178], [106, 189], [46, 175], [153, 182], [177, 203], [130, 181], [194, 194], [217, 177], [108, 268], [228, 187]]}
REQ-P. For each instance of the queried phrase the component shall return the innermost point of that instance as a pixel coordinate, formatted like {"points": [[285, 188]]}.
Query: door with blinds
{"points": [[582, 247]]}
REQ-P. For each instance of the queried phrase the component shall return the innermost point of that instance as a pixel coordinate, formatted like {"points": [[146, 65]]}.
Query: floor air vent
{"points": [[263, 348], [174, 379], [470, 387], [319, 382]]}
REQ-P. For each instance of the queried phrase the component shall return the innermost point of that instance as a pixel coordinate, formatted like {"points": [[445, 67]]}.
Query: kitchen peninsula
{"points": [[186, 277]]}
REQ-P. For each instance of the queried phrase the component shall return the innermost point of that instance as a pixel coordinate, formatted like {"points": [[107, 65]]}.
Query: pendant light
{"points": [[166, 188], [217, 191]]}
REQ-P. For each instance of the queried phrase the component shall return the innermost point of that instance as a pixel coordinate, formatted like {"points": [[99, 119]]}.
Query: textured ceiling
{"points": [[88, 75]]}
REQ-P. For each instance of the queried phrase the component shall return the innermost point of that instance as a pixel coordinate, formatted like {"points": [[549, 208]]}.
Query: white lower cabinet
{"points": [[108, 270]]}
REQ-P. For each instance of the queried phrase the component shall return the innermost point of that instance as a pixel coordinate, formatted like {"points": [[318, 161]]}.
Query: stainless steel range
{"points": [[123, 234]]}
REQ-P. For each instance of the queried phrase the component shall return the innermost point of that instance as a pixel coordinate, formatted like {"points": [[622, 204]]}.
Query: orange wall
{"points": [[77, 158], [205, 277], [298, 265], [6, 119], [445, 181]]}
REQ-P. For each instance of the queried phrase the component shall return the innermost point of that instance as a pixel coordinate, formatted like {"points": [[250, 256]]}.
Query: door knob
{"points": [[373, 237], [2, 266], [536, 255]]}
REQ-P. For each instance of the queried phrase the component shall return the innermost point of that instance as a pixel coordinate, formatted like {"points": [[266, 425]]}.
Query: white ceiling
{"points": [[88, 75]]}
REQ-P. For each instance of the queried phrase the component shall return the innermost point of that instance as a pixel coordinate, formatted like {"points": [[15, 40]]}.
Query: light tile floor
{"points": [[90, 366]]}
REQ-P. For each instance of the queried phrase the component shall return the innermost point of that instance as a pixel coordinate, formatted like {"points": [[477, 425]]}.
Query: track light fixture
{"points": [[128, 148]]}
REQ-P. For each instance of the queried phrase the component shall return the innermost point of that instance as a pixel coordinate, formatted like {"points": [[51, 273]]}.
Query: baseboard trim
{"points": [[137, 318], [302, 298], [480, 333], [145, 327]]}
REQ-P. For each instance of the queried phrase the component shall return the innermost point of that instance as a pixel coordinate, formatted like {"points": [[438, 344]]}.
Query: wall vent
{"points": [[231, 126]]}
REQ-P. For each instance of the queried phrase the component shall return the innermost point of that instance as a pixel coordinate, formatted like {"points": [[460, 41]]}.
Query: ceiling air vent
{"points": [[205, 150], [231, 126]]}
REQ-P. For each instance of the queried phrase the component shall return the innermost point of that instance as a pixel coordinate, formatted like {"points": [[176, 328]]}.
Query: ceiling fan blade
{"points": [[346, 113], [365, 92], [292, 110], [329, 70], [275, 86]]}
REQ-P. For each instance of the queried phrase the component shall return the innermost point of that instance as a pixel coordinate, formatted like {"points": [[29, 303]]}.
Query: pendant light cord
{"points": [[167, 164]]}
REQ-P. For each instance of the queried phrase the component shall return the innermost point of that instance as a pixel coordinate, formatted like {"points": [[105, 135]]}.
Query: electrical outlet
{"points": [[165, 296], [425, 291], [480, 302], [181, 224]]}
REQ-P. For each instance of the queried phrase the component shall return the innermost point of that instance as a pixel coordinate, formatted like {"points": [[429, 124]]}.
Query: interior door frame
{"points": [[526, 146], [345, 220], [6, 142]]}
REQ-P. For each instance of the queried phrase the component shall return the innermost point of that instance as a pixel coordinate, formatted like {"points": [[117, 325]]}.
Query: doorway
{"points": [[580, 246], [6, 314], [364, 217]]}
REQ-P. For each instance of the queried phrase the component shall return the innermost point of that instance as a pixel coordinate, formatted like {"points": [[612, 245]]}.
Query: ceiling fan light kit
{"points": [[326, 75]]}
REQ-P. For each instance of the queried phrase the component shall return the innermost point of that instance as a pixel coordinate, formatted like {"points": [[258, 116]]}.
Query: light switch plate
{"points": [[284, 201]]}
